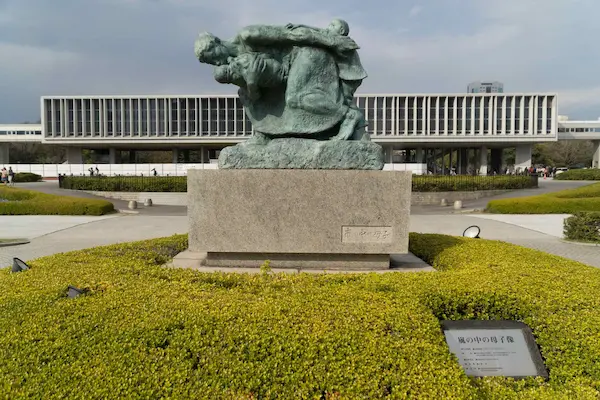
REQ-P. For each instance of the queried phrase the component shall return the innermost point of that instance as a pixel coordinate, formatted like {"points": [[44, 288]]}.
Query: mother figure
{"points": [[295, 81]]}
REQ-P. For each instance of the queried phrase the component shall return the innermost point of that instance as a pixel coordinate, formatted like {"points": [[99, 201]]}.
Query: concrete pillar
{"points": [[112, 156], [523, 156], [74, 155], [175, 156], [444, 161], [388, 154], [420, 155], [483, 160], [204, 155], [496, 160], [464, 161], [596, 158], [4, 153]]}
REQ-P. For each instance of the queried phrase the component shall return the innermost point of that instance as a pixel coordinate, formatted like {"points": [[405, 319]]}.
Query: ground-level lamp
{"points": [[73, 292], [472, 232], [19, 265]]}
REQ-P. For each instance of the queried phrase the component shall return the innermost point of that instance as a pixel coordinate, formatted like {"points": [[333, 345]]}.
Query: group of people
{"points": [[8, 176]]}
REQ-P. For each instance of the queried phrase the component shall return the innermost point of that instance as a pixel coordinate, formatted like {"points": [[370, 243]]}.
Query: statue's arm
{"points": [[300, 36]]}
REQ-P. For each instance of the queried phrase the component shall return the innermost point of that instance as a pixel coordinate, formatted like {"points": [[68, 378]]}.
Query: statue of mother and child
{"points": [[297, 85]]}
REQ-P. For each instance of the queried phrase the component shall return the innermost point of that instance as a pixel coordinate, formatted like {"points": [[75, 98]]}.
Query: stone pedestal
{"points": [[303, 219]]}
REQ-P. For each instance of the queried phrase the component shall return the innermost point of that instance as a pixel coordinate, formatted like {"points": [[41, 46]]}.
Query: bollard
{"points": [[444, 203], [148, 202], [458, 204], [132, 205]]}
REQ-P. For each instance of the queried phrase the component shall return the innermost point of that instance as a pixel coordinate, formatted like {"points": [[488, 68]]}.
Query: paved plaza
{"points": [[55, 234]]}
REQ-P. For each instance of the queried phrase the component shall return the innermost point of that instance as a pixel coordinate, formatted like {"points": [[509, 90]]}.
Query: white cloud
{"points": [[415, 10], [20, 60], [530, 45]]}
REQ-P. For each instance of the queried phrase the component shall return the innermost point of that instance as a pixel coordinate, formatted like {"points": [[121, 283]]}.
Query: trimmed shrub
{"points": [[144, 331], [591, 174], [27, 177], [30, 202], [583, 227], [125, 183], [420, 183], [467, 183], [586, 198]]}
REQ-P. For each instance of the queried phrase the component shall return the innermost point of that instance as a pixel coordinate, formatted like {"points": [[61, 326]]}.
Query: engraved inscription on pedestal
{"points": [[367, 234], [494, 348]]}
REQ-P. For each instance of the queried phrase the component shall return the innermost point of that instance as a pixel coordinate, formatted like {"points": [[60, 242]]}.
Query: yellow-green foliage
{"points": [[145, 331], [586, 198], [30, 202], [591, 174]]}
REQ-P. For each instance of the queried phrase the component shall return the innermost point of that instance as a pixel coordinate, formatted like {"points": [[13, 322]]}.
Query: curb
{"points": [[580, 243], [15, 242], [120, 211]]}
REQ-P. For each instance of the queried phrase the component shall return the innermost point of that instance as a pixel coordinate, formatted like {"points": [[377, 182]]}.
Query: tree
{"points": [[567, 153]]}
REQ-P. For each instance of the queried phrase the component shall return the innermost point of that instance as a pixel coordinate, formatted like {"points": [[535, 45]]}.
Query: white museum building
{"points": [[415, 130]]}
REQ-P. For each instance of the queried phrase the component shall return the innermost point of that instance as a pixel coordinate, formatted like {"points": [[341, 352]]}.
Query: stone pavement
{"points": [[98, 231]]}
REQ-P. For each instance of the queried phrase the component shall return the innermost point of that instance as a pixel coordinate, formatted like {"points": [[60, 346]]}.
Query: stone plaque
{"points": [[367, 234], [495, 348]]}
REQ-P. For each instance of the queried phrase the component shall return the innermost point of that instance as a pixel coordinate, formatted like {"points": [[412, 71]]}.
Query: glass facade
{"points": [[223, 116]]}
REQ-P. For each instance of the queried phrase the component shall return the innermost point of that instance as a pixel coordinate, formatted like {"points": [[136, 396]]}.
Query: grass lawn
{"points": [[146, 331], [570, 201], [31, 202]]}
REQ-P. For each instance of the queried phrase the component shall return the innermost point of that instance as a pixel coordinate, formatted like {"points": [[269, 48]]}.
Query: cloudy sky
{"points": [[78, 47]]}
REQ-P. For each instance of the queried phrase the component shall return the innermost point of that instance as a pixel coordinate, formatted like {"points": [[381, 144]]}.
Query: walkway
{"points": [[98, 231]]}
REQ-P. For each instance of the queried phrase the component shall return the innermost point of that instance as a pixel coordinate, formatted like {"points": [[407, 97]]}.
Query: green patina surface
{"points": [[295, 82]]}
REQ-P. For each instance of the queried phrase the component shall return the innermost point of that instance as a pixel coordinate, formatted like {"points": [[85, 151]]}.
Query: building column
{"points": [[464, 161], [419, 155], [112, 156], [4, 153], [74, 155], [204, 155], [388, 154], [175, 156], [523, 157], [483, 160], [596, 158], [496, 160]]}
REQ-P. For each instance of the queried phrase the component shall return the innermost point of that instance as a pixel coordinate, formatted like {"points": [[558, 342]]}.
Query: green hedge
{"points": [[579, 175], [586, 198], [29, 202], [145, 331], [456, 183], [420, 183], [583, 227], [27, 177], [126, 183]]}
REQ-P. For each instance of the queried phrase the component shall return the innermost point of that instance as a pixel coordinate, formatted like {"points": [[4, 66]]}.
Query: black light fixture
{"points": [[472, 232], [73, 292], [19, 265]]}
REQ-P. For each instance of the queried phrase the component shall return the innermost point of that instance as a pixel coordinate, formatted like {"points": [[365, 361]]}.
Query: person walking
{"points": [[4, 175], [11, 177]]}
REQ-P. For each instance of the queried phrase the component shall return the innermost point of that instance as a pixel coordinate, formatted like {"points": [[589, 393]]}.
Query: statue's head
{"points": [[339, 26], [210, 50]]}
